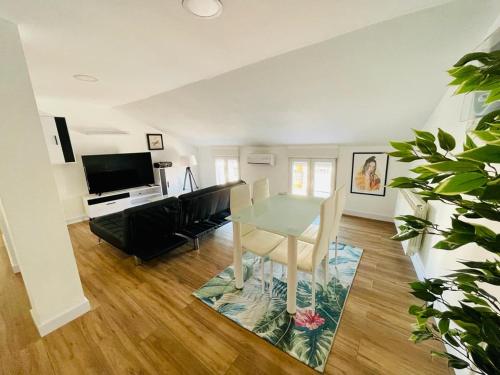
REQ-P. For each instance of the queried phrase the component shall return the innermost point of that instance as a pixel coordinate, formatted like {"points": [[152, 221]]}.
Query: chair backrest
{"points": [[340, 196], [240, 199], [260, 189], [327, 215]]}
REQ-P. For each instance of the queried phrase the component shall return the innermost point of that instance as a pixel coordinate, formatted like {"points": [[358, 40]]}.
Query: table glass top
{"points": [[282, 214]]}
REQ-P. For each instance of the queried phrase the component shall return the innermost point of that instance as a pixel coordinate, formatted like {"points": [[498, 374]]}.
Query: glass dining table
{"points": [[284, 214]]}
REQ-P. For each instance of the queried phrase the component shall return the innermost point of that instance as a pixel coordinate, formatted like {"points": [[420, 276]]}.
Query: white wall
{"points": [[374, 207], [70, 178], [29, 197], [380, 208], [277, 174], [434, 263]]}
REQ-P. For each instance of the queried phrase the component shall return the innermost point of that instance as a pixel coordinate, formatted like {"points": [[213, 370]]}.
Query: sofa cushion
{"points": [[110, 228]]}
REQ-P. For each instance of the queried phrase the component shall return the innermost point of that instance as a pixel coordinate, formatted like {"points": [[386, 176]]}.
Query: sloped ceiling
{"points": [[366, 86], [280, 71], [141, 48]]}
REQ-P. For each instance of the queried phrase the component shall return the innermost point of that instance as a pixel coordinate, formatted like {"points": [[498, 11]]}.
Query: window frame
{"points": [[226, 168], [310, 177]]}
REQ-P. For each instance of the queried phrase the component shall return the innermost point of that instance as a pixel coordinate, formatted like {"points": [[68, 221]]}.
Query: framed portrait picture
{"points": [[155, 141], [369, 173]]}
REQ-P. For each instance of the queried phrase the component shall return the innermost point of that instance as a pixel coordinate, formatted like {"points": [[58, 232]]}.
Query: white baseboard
{"points": [[368, 215], [44, 328], [15, 268], [76, 219], [419, 266]]}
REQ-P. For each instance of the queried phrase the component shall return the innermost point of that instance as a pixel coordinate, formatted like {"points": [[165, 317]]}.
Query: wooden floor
{"points": [[144, 319]]}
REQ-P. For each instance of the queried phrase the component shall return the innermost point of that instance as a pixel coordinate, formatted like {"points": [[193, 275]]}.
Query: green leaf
{"points": [[452, 166], [402, 146], [485, 135], [426, 146], [425, 135], [491, 193], [469, 143], [486, 154], [484, 232], [444, 325], [446, 140], [480, 56], [488, 120], [423, 295], [406, 235], [461, 183], [414, 309]]}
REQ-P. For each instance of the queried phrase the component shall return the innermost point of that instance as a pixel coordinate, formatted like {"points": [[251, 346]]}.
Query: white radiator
{"points": [[409, 203]]}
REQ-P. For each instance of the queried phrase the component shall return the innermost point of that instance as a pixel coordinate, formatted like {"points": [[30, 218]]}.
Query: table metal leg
{"points": [[291, 297], [237, 256]]}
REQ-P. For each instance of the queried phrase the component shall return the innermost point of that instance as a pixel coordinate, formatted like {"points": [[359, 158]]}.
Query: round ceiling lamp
{"points": [[85, 78], [203, 8]]}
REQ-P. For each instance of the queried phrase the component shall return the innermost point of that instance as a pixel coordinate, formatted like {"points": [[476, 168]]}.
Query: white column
{"points": [[7, 240], [30, 199]]}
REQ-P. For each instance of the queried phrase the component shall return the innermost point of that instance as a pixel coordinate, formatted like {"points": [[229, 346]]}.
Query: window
{"points": [[300, 177], [226, 170], [311, 177]]}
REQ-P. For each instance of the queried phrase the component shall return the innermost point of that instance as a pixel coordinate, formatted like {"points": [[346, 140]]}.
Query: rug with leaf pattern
{"points": [[307, 336]]}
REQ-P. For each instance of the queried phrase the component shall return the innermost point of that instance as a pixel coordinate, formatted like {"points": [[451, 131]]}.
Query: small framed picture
{"points": [[155, 141], [369, 173]]}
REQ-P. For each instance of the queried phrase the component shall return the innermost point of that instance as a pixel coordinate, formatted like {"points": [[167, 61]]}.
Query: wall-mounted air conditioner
{"points": [[263, 159]]}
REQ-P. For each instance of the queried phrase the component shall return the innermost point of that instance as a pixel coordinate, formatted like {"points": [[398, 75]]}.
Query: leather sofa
{"points": [[144, 231], [204, 210], [152, 229]]}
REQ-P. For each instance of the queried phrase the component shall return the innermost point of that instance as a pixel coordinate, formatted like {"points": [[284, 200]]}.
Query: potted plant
{"points": [[468, 179]]}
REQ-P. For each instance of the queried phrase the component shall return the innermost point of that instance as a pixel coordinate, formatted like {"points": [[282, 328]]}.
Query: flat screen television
{"points": [[117, 171]]}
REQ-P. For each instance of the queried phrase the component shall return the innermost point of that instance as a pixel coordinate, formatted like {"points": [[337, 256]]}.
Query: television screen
{"points": [[117, 171]]}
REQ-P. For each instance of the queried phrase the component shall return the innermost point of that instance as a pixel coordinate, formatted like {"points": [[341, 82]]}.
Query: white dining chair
{"points": [[309, 256], [260, 189], [311, 233], [258, 242]]}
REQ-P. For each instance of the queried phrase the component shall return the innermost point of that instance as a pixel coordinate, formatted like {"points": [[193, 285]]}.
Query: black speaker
{"points": [[163, 164]]}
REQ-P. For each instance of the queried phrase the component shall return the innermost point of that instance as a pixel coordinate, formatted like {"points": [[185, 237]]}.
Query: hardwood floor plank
{"points": [[144, 319]]}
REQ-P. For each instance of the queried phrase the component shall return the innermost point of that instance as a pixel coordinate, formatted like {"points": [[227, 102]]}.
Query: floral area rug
{"points": [[307, 336]]}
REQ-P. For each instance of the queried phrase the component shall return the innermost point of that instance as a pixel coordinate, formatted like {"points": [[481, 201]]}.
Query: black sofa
{"points": [[145, 231], [204, 210], [152, 229]]}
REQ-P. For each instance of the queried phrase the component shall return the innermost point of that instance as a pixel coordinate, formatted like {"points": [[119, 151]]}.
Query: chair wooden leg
{"points": [[262, 274], [271, 276], [313, 287]]}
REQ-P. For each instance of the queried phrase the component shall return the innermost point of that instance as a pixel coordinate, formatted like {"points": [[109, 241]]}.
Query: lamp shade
{"points": [[188, 161]]}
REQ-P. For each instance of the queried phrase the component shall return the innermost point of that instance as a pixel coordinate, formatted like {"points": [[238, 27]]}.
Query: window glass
{"points": [[300, 177], [220, 171], [322, 180]]}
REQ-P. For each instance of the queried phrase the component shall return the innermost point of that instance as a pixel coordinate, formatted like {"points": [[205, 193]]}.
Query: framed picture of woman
{"points": [[369, 173]]}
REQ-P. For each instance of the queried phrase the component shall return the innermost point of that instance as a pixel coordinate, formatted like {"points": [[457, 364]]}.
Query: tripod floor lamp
{"points": [[189, 161]]}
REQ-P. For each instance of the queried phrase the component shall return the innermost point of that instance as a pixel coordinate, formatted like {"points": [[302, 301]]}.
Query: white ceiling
{"points": [[245, 78], [366, 86], [141, 48]]}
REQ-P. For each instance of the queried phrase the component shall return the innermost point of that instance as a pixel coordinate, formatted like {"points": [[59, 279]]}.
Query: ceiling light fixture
{"points": [[85, 78], [203, 8]]}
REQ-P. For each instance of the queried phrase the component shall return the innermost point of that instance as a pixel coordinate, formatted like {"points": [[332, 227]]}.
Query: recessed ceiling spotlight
{"points": [[203, 8], [85, 78]]}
